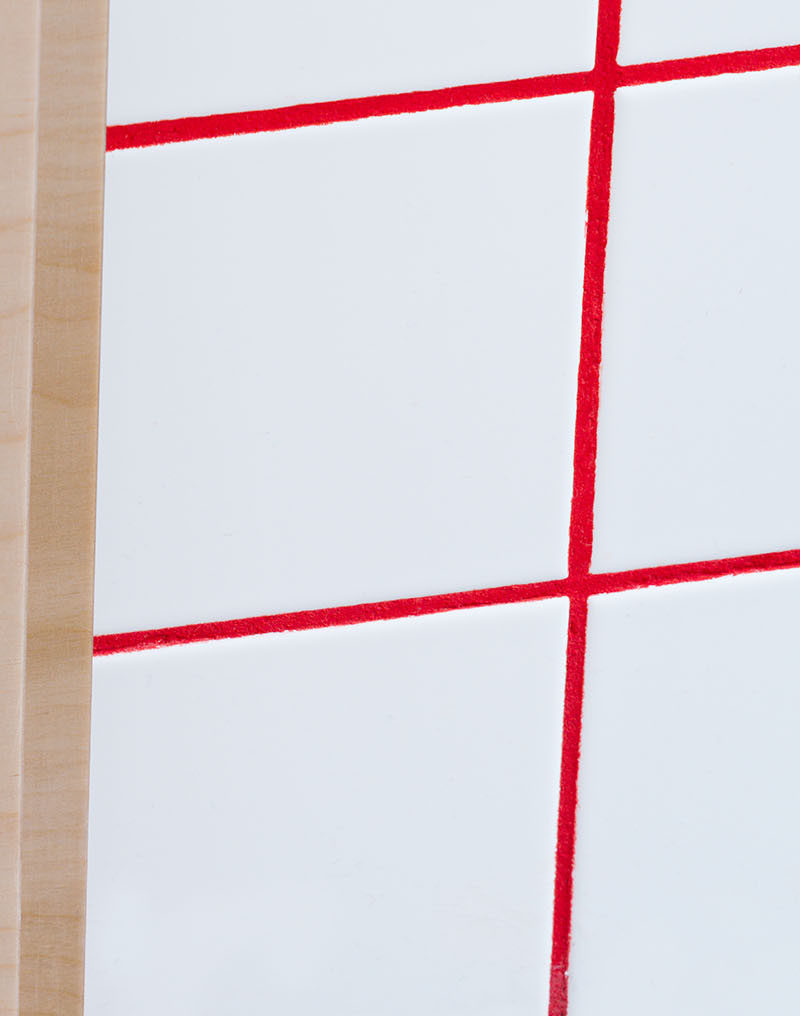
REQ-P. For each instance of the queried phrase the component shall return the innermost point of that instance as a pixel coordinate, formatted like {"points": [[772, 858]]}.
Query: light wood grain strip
{"points": [[62, 498], [19, 49]]}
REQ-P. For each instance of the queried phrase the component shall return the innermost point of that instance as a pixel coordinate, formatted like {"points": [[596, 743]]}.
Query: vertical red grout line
{"points": [[581, 524], [567, 804]]}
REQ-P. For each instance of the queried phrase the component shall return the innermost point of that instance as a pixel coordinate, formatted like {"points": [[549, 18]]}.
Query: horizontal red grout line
{"points": [[327, 617], [331, 617], [694, 571], [739, 62], [159, 132], [193, 128]]}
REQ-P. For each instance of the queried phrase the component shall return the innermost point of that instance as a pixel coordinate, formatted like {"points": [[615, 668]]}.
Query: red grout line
{"points": [[693, 571], [160, 132], [193, 128], [418, 606], [568, 805], [585, 451], [329, 617], [581, 526], [739, 62]]}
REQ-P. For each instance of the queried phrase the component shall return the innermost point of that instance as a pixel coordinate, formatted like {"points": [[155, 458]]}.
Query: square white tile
{"points": [[191, 57], [339, 363], [357, 820], [669, 29], [698, 406], [686, 879]]}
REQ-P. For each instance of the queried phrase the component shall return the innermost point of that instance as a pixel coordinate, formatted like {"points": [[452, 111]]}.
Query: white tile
{"points": [[188, 57], [357, 820], [339, 363], [687, 884], [699, 410], [668, 29]]}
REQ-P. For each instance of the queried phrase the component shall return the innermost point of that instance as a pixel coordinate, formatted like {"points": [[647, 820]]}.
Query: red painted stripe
{"points": [[708, 66], [160, 132], [328, 617], [581, 526]]}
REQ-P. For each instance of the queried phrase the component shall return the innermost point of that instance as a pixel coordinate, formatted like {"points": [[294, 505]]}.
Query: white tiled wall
{"points": [[339, 365], [355, 820], [687, 885]]}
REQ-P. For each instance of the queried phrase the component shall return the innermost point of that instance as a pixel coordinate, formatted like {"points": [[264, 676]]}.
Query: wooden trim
{"points": [[19, 50], [69, 222]]}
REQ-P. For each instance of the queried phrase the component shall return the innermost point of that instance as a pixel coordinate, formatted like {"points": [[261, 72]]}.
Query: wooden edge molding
{"points": [[19, 52], [52, 129]]}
